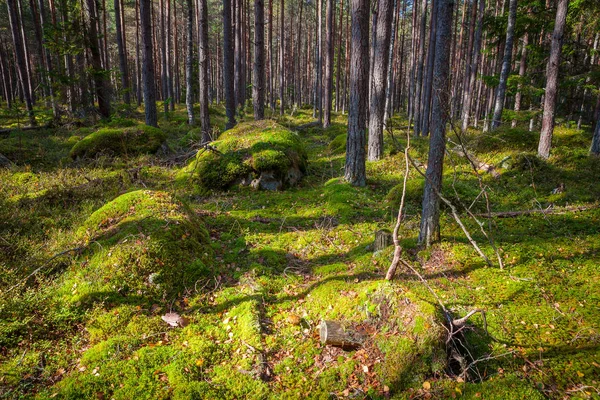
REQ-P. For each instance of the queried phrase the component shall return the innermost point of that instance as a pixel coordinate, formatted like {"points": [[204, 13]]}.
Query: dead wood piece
{"points": [[333, 333], [383, 239], [545, 211]]}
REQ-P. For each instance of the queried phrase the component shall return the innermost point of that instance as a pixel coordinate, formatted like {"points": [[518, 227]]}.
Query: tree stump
{"points": [[333, 333], [383, 239]]}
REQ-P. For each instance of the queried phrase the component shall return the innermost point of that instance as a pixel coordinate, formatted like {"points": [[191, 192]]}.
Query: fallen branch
{"points": [[546, 211]]}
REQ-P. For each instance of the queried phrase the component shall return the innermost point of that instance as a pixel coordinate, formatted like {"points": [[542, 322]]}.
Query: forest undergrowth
{"points": [[252, 273]]}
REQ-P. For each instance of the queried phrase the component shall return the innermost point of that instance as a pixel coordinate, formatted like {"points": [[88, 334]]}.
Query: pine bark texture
{"points": [[228, 65], [506, 63], [203, 70], [258, 85], [148, 80], [552, 80], [355, 171], [430, 216], [329, 11], [380, 68], [189, 64]]}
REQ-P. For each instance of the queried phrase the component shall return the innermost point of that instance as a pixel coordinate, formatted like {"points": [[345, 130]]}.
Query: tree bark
{"points": [[329, 11], [595, 149], [203, 70], [228, 65], [148, 81], [99, 74], [355, 171], [20, 59], [258, 86], [428, 85], [501, 91], [380, 68], [472, 77], [552, 80], [419, 71], [318, 109], [522, 69], [281, 57], [189, 64], [430, 217], [122, 54]]}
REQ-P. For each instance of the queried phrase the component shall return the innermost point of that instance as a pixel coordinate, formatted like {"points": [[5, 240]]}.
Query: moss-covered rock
{"points": [[143, 243], [338, 144], [262, 151], [120, 141]]}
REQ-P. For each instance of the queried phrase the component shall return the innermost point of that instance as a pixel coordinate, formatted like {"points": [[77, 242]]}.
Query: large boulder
{"points": [[134, 140], [144, 244], [261, 153]]}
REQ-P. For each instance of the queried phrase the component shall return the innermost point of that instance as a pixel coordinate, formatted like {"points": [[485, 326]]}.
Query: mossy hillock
{"points": [[133, 140], [143, 243], [262, 153]]}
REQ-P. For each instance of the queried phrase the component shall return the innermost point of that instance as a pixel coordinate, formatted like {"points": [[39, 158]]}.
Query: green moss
{"points": [[247, 150], [143, 243], [127, 141], [338, 144]]}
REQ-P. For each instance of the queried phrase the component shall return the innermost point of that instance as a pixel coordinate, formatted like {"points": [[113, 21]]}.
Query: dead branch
{"points": [[397, 248], [546, 211]]}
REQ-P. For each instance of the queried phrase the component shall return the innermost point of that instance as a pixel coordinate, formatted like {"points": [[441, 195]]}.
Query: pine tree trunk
{"points": [[388, 87], [428, 85], [552, 80], [281, 57], [430, 217], [258, 85], [20, 59], [237, 83], [138, 67], [329, 11], [355, 172], [377, 103], [271, 87], [228, 65], [317, 109], [148, 80], [203, 70], [189, 63], [338, 74], [99, 74], [522, 69], [595, 149], [501, 91], [122, 55], [419, 70], [472, 77]]}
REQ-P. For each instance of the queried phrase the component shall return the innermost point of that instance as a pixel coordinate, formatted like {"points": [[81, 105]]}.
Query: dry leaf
{"points": [[426, 385]]}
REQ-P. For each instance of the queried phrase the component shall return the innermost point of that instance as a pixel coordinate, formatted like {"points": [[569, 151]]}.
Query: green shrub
{"points": [[247, 150], [127, 141]]}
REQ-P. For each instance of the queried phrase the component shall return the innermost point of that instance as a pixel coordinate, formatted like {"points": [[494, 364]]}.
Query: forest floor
{"points": [[280, 262]]}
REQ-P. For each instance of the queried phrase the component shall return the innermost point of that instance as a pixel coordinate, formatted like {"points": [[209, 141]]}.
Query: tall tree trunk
{"points": [[472, 77], [338, 74], [522, 68], [258, 85], [189, 64], [48, 59], [419, 81], [20, 59], [318, 79], [298, 58], [99, 74], [270, 85], [552, 80], [281, 57], [388, 87], [501, 91], [355, 171], [238, 72], [122, 54], [138, 67], [430, 215], [428, 85], [376, 109], [170, 92], [228, 65], [148, 80], [595, 149], [329, 11], [203, 70]]}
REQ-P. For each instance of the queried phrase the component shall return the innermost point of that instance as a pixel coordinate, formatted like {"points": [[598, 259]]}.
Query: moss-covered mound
{"points": [[143, 243], [261, 152], [120, 141]]}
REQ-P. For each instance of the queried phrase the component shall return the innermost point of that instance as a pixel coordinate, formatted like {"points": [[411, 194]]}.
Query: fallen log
{"points": [[333, 333], [545, 211]]}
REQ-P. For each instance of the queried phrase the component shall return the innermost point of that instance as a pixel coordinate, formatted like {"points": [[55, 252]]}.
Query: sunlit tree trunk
{"points": [[430, 215], [552, 80], [355, 172], [203, 70], [228, 65], [122, 53], [328, 63], [258, 84], [148, 81]]}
